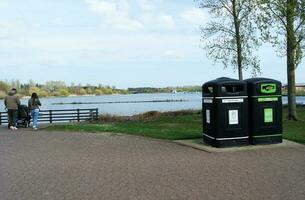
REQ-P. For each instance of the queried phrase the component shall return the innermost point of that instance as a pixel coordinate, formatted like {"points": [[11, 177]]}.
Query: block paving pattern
{"points": [[83, 166]]}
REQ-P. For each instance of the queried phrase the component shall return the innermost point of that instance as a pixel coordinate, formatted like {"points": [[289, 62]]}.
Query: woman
{"points": [[34, 104]]}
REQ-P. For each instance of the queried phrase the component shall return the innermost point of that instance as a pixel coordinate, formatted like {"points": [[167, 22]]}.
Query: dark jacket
{"points": [[34, 104], [11, 101]]}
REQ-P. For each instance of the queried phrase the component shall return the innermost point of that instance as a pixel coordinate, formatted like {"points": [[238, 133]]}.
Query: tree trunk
{"points": [[292, 108], [238, 41], [291, 65]]}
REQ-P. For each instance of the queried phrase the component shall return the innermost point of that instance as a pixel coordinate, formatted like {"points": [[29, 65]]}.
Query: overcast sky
{"points": [[126, 43]]}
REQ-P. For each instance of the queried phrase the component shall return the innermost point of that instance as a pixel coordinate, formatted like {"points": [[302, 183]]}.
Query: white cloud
{"points": [[92, 49], [115, 13], [9, 30], [3, 32], [173, 54], [166, 21], [195, 16], [131, 14], [102, 6], [146, 5]]}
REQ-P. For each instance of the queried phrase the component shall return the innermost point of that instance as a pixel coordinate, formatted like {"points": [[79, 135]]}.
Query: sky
{"points": [[125, 43]]}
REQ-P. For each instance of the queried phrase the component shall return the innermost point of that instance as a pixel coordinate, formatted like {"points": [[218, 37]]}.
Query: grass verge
{"points": [[171, 125], [295, 130]]}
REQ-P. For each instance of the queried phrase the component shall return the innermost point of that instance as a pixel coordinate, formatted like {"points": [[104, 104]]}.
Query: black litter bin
{"points": [[224, 112], [265, 110]]}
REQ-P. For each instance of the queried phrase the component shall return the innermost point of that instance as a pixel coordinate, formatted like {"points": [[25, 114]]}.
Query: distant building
{"points": [[298, 86]]}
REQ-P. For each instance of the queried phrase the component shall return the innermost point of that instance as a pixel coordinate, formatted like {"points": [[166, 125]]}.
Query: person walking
{"points": [[12, 103], [34, 104]]}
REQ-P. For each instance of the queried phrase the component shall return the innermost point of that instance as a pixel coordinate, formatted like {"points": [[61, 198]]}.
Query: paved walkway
{"points": [[77, 166]]}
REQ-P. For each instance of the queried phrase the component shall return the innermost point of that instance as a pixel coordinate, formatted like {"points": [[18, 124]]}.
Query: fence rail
{"points": [[69, 115]]}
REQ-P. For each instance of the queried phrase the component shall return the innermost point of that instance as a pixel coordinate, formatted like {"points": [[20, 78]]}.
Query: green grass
{"points": [[295, 131], [165, 126], [172, 126]]}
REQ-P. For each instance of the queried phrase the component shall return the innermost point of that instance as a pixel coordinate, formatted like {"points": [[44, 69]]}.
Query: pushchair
{"points": [[23, 116]]}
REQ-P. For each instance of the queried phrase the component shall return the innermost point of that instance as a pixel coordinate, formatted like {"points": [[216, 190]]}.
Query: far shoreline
{"points": [[92, 95]]}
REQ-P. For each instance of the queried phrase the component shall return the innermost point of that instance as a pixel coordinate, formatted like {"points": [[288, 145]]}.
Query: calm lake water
{"points": [[189, 101]]}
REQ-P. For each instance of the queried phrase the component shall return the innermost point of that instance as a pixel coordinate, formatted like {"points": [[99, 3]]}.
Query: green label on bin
{"points": [[268, 115], [268, 88], [267, 99]]}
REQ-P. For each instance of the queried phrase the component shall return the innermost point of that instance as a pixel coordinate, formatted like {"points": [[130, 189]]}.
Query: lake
{"points": [[181, 101]]}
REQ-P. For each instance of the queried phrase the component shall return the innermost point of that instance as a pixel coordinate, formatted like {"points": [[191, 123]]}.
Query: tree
{"points": [[31, 83], [283, 24], [82, 91], [15, 84], [231, 36], [34, 90], [2, 94], [63, 92], [106, 90], [52, 86], [4, 86], [98, 92]]}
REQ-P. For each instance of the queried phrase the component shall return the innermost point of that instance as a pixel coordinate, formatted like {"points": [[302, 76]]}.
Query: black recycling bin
{"points": [[224, 112], [265, 111]]}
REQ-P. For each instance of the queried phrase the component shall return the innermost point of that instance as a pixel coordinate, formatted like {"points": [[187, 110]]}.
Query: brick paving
{"points": [[79, 166]]}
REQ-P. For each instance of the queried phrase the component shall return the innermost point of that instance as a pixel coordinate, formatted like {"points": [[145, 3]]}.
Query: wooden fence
{"points": [[52, 116]]}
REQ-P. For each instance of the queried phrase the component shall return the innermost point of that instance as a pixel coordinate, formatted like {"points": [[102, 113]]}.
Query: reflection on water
{"points": [[181, 101]]}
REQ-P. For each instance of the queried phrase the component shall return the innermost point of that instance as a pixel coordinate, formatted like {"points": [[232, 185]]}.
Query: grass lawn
{"points": [[295, 131], [174, 126], [165, 126]]}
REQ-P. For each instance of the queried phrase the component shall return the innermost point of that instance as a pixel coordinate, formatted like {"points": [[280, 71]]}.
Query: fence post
{"points": [[78, 119], [50, 113], [96, 113], [91, 115], [0, 119]]}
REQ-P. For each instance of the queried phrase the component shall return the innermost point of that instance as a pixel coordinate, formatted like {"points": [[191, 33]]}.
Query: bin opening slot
{"points": [[232, 89], [208, 89]]}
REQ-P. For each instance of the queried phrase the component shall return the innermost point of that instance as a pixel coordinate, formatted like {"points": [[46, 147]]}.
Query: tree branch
{"points": [[300, 25], [216, 27], [298, 42], [278, 16], [226, 7]]}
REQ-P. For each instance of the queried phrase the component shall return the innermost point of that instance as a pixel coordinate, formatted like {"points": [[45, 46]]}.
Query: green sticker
{"points": [[266, 99], [268, 88], [268, 115]]}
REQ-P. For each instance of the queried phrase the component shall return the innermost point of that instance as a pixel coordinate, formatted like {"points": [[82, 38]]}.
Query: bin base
{"points": [[225, 143], [266, 140]]}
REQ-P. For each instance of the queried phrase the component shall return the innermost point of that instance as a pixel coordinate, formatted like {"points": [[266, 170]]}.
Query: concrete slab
{"points": [[200, 145]]}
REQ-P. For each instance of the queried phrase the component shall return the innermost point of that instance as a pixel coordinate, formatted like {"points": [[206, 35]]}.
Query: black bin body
{"points": [[224, 113], [265, 111]]}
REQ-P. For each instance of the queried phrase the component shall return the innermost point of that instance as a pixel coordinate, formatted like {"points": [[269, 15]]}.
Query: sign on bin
{"points": [[268, 115], [232, 101], [233, 117], [208, 116]]}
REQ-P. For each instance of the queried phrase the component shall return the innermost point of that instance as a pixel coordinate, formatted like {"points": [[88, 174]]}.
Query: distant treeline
{"points": [[140, 90], [57, 89], [298, 92], [61, 89]]}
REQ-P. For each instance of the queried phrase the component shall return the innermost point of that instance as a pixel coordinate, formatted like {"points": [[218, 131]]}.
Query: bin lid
{"points": [[224, 87], [264, 87]]}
